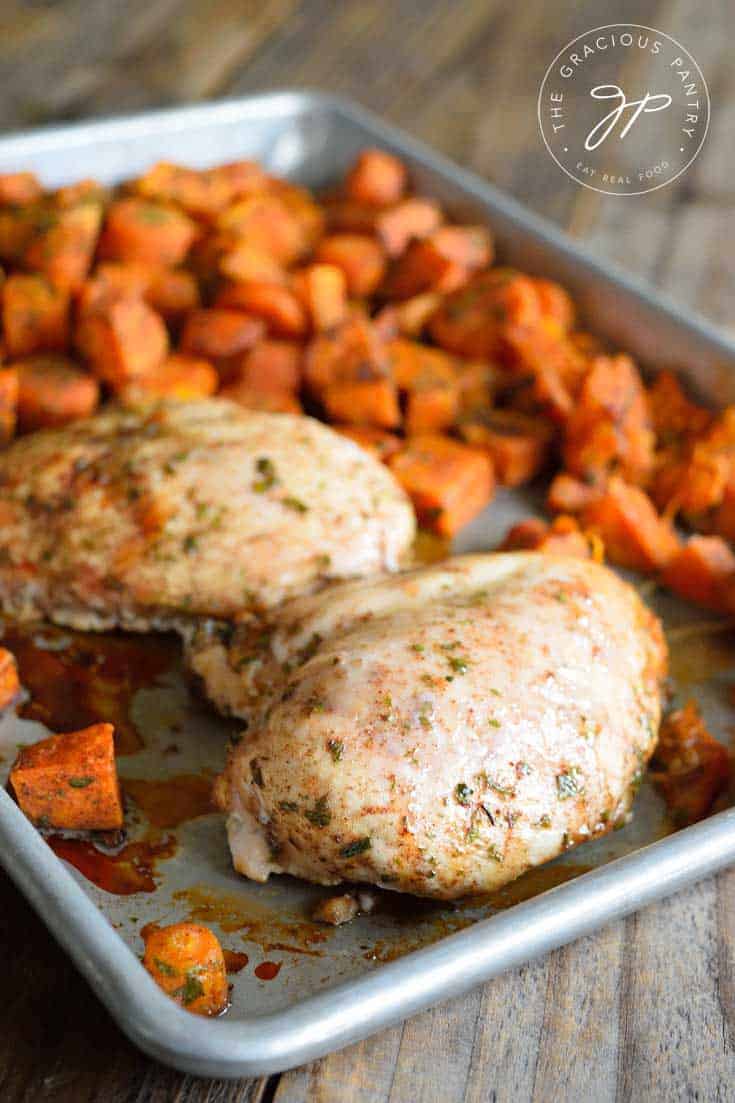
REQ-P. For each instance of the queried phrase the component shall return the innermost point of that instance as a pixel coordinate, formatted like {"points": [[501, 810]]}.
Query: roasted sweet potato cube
{"points": [[690, 767], [703, 572], [8, 403], [557, 308], [423, 268], [276, 305], [474, 320], [673, 414], [35, 316], [266, 223], [408, 221], [634, 534], [52, 391], [567, 494], [364, 402], [246, 263], [379, 442], [322, 291], [19, 188], [187, 962], [173, 292], [272, 400], [562, 537], [122, 340], [273, 365], [136, 229], [351, 352], [361, 258], [112, 280], [201, 193], [216, 334], [62, 245], [85, 190], [407, 318], [179, 376], [518, 444], [428, 377], [9, 681], [376, 177], [447, 482], [70, 781], [692, 484]]}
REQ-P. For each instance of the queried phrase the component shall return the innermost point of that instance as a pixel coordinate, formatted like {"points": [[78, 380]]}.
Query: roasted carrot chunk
{"points": [[273, 365], [187, 962], [8, 403], [447, 482], [376, 177], [266, 223], [136, 229], [610, 425], [122, 340], [690, 767], [179, 376], [380, 443], [62, 245], [216, 334], [70, 781], [9, 681], [633, 533], [271, 401], [365, 401], [703, 571], [562, 537], [411, 219], [278, 306], [361, 258], [35, 316], [18, 188], [322, 291], [518, 444], [173, 292], [53, 391], [112, 280]]}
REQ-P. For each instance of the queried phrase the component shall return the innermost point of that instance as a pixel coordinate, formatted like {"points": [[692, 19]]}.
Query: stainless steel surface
{"points": [[347, 986]]}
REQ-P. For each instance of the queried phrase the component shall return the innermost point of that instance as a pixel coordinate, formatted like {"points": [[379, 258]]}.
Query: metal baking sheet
{"points": [[331, 986]]}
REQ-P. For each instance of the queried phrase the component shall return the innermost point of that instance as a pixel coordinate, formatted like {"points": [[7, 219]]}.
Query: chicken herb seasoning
{"points": [[570, 783], [358, 847]]}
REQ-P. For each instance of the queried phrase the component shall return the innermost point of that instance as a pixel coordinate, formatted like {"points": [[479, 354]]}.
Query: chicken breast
{"points": [[144, 518], [441, 731]]}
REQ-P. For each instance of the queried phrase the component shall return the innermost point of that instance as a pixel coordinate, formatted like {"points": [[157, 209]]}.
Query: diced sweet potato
{"points": [[70, 781], [610, 425], [18, 188], [187, 962], [447, 482], [441, 261], [562, 537], [352, 352], [17, 225], [245, 262], [473, 321], [690, 767], [8, 403], [85, 190], [407, 221], [179, 376], [703, 572], [322, 291], [633, 533], [428, 377], [53, 391], [201, 193], [673, 415], [407, 318], [275, 304], [271, 401], [63, 243], [380, 443], [556, 305], [265, 223], [173, 292], [303, 207], [518, 445], [217, 334], [273, 365], [112, 280], [568, 494], [136, 229], [692, 484], [35, 316], [122, 340], [363, 401], [9, 681], [376, 177], [361, 258]]}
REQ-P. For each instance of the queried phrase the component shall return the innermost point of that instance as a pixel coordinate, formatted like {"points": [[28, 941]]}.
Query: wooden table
{"points": [[644, 1010]]}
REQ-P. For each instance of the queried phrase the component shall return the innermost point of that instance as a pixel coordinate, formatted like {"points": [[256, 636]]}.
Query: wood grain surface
{"points": [[645, 1009]]}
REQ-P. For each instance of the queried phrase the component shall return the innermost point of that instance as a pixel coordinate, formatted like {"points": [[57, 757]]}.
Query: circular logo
{"points": [[623, 109]]}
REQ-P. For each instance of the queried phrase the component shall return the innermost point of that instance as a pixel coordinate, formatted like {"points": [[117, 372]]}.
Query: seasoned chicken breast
{"points": [[441, 731], [144, 518]]}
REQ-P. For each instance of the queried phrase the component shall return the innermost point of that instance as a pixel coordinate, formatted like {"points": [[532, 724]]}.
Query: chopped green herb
{"points": [[192, 989], [288, 806], [458, 665], [267, 472], [500, 787], [295, 504], [570, 783], [319, 815], [418, 648], [496, 855], [462, 793], [80, 782], [164, 967], [336, 749], [358, 847], [190, 544], [544, 821], [493, 722]]}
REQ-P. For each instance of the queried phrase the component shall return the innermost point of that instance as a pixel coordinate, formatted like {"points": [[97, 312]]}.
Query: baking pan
{"points": [[305, 989]]}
